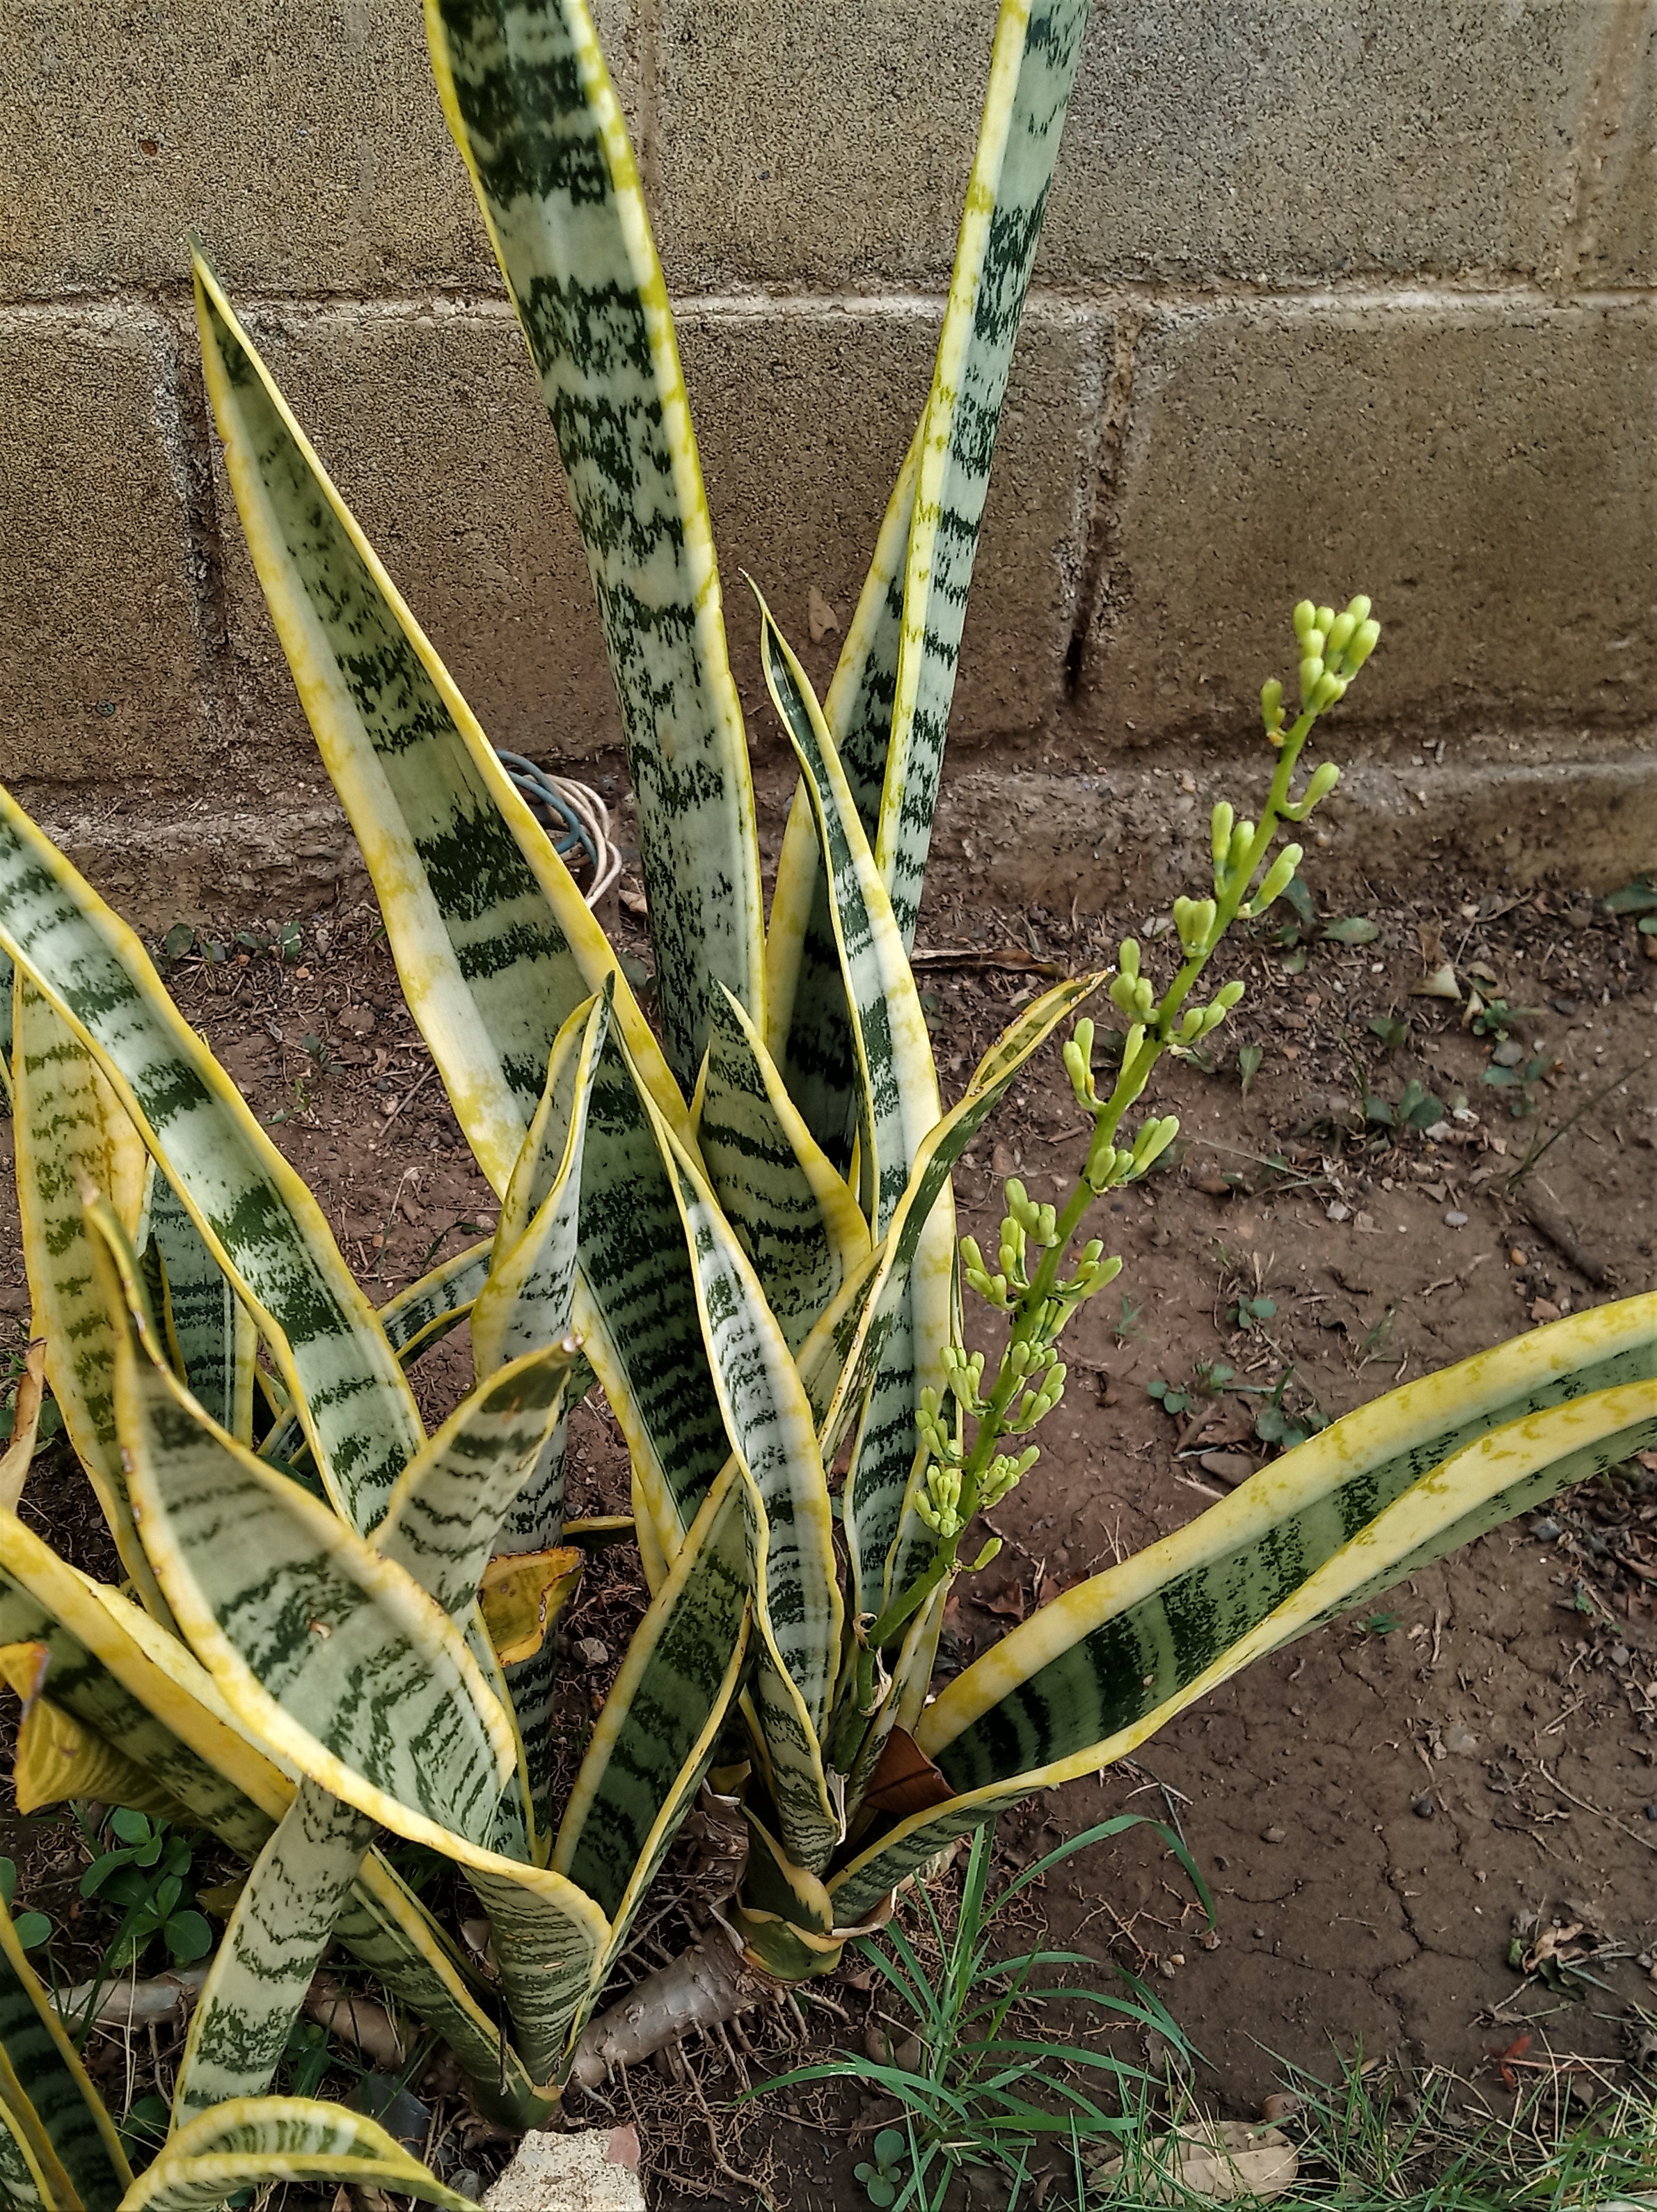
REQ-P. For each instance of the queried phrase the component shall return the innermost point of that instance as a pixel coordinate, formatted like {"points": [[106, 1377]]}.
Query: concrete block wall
{"points": [[1332, 296]]}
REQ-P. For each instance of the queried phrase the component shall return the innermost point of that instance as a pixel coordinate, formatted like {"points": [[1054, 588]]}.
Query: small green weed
{"points": [[987, 2091], [146, 1869]]}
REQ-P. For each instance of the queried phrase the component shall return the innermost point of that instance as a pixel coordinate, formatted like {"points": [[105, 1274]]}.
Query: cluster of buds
{"points": [[1032, 1362], [1003, 1474]]}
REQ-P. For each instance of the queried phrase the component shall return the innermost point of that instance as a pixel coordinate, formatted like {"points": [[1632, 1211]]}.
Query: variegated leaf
{"points": [[769, 1420], [662, 1718], [1032, 67], [255, 2142], [898, 1083], [494, 942], [1381, 1493], [69, 1127], [808, 1025], [24, 2186], [261, 1223], [54, 2111], [346, 1659], [282, 1922], [210, 1333], [441, 1523], [532, 110], [791, 1211]]}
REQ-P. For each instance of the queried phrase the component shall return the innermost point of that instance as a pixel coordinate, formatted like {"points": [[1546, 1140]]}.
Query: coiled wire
{"points": [[574, 816]]}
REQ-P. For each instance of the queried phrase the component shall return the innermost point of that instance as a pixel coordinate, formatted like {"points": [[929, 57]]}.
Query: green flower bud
{"points": [[1153, 1140], [992, 1550], [1127, 957], [1047, 1226], [1219, 824], [1311, 671], [1340, 635], [1191, 1025], [1194, 919], [1325, 777], [1358, 608], [1277, 879], [1326, 619], [1229, 995], [1365, 641], [1272, 705], [1329, 689], [1306, 616], [1242, 838]]}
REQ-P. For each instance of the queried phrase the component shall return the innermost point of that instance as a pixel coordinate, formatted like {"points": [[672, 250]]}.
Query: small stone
{"points": [[1336, 1212], [1229, 1468], [1364, 1223], [1455, 1219], [1282, 2106], [591, 1651], [1516, 1255], [1543, 1309], [1545, 1531], [1274, 1834], [1438, 1133], [1459, 1741], [1566, 1007], [1259, 1935], [1423, 1808], [1651, 1812], [1620, 1654]]}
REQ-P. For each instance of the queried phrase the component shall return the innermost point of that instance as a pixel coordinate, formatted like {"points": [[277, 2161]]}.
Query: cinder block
{"points": [[303, 141], [1483, 469], [803, 416], [431, 422], [432, 425], [101, 667], [1277, 139], [1616, 154]]}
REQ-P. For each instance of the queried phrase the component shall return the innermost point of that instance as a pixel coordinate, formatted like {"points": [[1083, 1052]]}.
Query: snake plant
{"points": [[735, 1220]]}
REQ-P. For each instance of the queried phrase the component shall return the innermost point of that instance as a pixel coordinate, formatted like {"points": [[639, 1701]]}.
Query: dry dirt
{"points": [[1381, 1807]]}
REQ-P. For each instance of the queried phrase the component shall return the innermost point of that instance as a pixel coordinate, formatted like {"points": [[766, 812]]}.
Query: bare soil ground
{"points": [[1383, 1810]]}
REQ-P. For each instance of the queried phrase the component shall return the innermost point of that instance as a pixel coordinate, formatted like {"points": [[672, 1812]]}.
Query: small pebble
{"points": [[1651, 1812], [1459, 1741], [1423, 1808], [1545, 1531], [1336, 1212], [1619, 1655], [1259, 1935], [1274, 1835], [1454, 1220], [590, 1651], [1283, 2105]]}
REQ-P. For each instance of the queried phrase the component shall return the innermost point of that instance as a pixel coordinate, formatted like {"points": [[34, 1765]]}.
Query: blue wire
{"points": [[544, 802]]}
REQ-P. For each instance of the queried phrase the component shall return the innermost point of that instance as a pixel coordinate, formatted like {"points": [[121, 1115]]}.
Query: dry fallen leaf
{"points": [[1221, 2159], [820, 616]]}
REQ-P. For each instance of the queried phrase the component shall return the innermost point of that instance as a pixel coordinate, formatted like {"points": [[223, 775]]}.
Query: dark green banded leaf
{"points": [[1382, 1492], [23, 2184], [767, 1418], [261, 1223], [1032, 67], [56, 2113], [636, 1312], [282, 1922], [139, 1688], [791, 1211], [388, 1930], [210, 1333], [493, 942], [808, 1025], [69, 1127], [441, 1523], [530, 104], [340, 1651], [898, 1083], [656, 1734], [418, 1317], [257, 2142], [528, 1300]]}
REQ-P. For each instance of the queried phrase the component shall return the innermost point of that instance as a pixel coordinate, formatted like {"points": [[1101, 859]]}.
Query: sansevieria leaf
{"points": [[494, 942], [282, 1922], [530, 101], [1347, 1514], [261, 1223], [1038, 44], [808, 1026], [54, 2113], [663, 1716], [71, 1129], [791, 1209], [210, 1333], [254, 2142]]}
